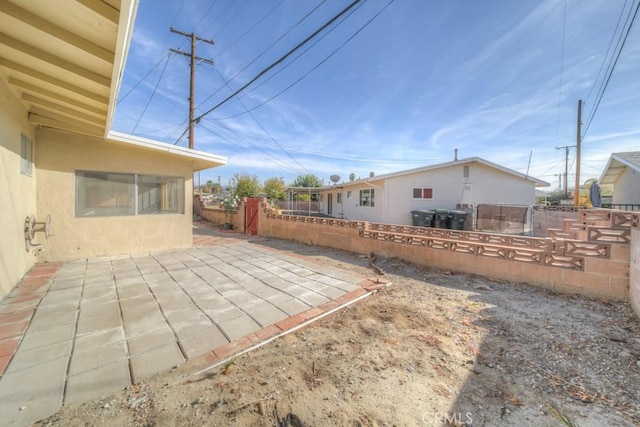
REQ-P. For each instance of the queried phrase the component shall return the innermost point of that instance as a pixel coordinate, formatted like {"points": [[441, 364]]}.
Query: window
{"points": [[366, 197], [339, 198], [465, 171], [349, 194], [26, 155], [120, 194], [422, 193]]}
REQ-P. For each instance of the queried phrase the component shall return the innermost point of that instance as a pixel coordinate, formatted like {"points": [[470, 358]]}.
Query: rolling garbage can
{"points": [[422, 218], [441, 216], [456, 220]]}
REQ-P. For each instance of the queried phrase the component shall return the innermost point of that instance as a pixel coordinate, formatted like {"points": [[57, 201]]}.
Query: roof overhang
{"points": [[614, 168], [65, 59], [199, 159]]}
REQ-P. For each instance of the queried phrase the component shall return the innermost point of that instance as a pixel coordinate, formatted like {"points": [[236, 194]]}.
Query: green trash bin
{"points": [[422, 218], [441, 216], [457, 219]]}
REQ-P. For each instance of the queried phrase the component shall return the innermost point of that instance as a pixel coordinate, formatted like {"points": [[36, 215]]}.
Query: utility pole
{"points": [[559, 175], [576, 196], [566, 167], [192, 89]]}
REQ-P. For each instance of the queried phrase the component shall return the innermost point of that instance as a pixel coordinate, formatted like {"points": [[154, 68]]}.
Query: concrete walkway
{"points": [[73, 332]]}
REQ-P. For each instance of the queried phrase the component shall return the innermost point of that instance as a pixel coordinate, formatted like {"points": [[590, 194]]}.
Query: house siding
{"points": [[394, 196], [60, 154], [17, 191], [626, 189]]}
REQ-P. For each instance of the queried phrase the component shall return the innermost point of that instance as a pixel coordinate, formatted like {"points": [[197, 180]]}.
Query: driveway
{"points": [[75, 331]]}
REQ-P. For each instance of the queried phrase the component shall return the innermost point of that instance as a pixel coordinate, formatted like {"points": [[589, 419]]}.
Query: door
{"points": [[251, 216], [329, 203]]}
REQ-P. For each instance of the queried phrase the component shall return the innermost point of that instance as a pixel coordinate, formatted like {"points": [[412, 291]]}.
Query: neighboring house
{"points": [[623, 174], [106, 193], [390, 198]]}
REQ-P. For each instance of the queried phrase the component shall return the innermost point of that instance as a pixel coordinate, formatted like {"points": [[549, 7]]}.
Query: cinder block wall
{"points": [[220, 216], [606, 278], [544, 219]]}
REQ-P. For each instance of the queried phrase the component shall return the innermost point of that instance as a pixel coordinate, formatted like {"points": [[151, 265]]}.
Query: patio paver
{"points": [[72, 332]]}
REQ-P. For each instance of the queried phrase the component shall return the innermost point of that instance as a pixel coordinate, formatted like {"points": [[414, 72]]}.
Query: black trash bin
{"points": [[457, 219], [422, 218], [441, 216]]}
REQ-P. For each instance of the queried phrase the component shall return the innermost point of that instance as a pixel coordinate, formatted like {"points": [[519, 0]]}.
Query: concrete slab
{"points": [[148, 364], [98, 382], [114, 320]]}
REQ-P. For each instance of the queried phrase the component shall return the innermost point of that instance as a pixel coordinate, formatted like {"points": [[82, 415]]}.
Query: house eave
{"points": [[200, 160]]}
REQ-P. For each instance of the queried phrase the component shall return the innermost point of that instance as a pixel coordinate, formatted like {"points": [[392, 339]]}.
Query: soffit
{"points": [[58, 58]]}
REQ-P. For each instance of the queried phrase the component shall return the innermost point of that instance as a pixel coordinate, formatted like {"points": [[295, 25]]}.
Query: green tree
{"points": [[245, 185], [307, 181], [274, 188]]}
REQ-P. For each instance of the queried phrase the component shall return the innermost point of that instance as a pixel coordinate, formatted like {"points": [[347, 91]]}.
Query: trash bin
{"points": [[441, 216], [456, 220], [422, 218]]}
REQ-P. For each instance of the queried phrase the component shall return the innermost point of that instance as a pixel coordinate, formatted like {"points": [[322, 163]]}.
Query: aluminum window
{"points": [[121, 194], [422, 193], [366, 197]]}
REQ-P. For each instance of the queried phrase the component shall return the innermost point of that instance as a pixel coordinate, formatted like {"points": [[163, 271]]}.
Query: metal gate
{"points": [[251, 216]]}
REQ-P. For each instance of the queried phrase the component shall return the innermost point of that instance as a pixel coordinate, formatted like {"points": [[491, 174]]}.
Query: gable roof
{"points": [[469, 160], [616, 165]]}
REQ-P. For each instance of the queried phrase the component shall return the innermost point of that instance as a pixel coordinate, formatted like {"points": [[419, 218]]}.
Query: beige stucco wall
{"points": [[17, 191], [626, 190], [634, 270], [60, 154]]}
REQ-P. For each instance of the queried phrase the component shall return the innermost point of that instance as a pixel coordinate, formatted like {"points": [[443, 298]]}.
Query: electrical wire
{"points": [[564, 31], [226, 24], [264, 129], [606, 55], [265, 50], [142, 79], [608, 78], [144, 110], [251, 28], [317, 65], [280, 60]]}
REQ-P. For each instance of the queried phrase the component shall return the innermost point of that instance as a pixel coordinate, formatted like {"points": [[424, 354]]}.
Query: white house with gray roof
{"points": [[390, 198], [623, 174]]}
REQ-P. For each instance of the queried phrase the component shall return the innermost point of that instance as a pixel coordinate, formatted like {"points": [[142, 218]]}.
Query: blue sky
{"points": [[393, 86]]}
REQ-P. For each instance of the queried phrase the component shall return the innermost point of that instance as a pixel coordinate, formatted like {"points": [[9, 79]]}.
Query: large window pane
{"points": [[157, 194], [116, 194], [105, 194]]}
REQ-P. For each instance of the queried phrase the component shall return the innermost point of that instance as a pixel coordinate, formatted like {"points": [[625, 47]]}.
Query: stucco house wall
{"points": [[60, 154], [17, 191], [626, 189], [461, 183]]}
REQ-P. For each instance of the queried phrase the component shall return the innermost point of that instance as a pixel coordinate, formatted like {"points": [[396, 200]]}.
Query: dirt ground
{"points": [[435, 348]]}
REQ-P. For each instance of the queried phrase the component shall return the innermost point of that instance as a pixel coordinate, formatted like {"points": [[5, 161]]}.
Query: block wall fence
{"points": [[604, 265]]}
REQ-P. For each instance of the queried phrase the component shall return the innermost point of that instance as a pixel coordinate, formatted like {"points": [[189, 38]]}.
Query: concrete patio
{"points": [[76, 331]]}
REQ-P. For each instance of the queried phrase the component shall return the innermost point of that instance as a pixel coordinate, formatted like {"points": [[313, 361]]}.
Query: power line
{"points": [[251, 28], [266, 50], [263, 128], [143, 78], [144, 110], [608, 78], [280, 60], [606, 55], [317, 65]]}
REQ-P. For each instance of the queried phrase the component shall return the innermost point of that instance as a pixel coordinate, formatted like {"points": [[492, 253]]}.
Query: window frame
{"points": [[370, 202], [422, 193], [167, 191], [339, 197]]}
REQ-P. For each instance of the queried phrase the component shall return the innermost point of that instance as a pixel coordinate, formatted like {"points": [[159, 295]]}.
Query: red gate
{"points": [[251, 216]]}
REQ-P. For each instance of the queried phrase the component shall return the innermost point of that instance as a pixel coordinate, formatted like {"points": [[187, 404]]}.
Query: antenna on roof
{"points": [[334, 178], [455, 154]]}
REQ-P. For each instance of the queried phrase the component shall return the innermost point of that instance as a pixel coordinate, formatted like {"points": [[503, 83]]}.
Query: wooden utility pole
{"points": [[192, 88], [576, 195], [566, 167]]}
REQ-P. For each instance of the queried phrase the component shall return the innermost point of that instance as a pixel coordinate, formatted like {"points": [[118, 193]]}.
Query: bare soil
{"points": [[435, 348]]}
